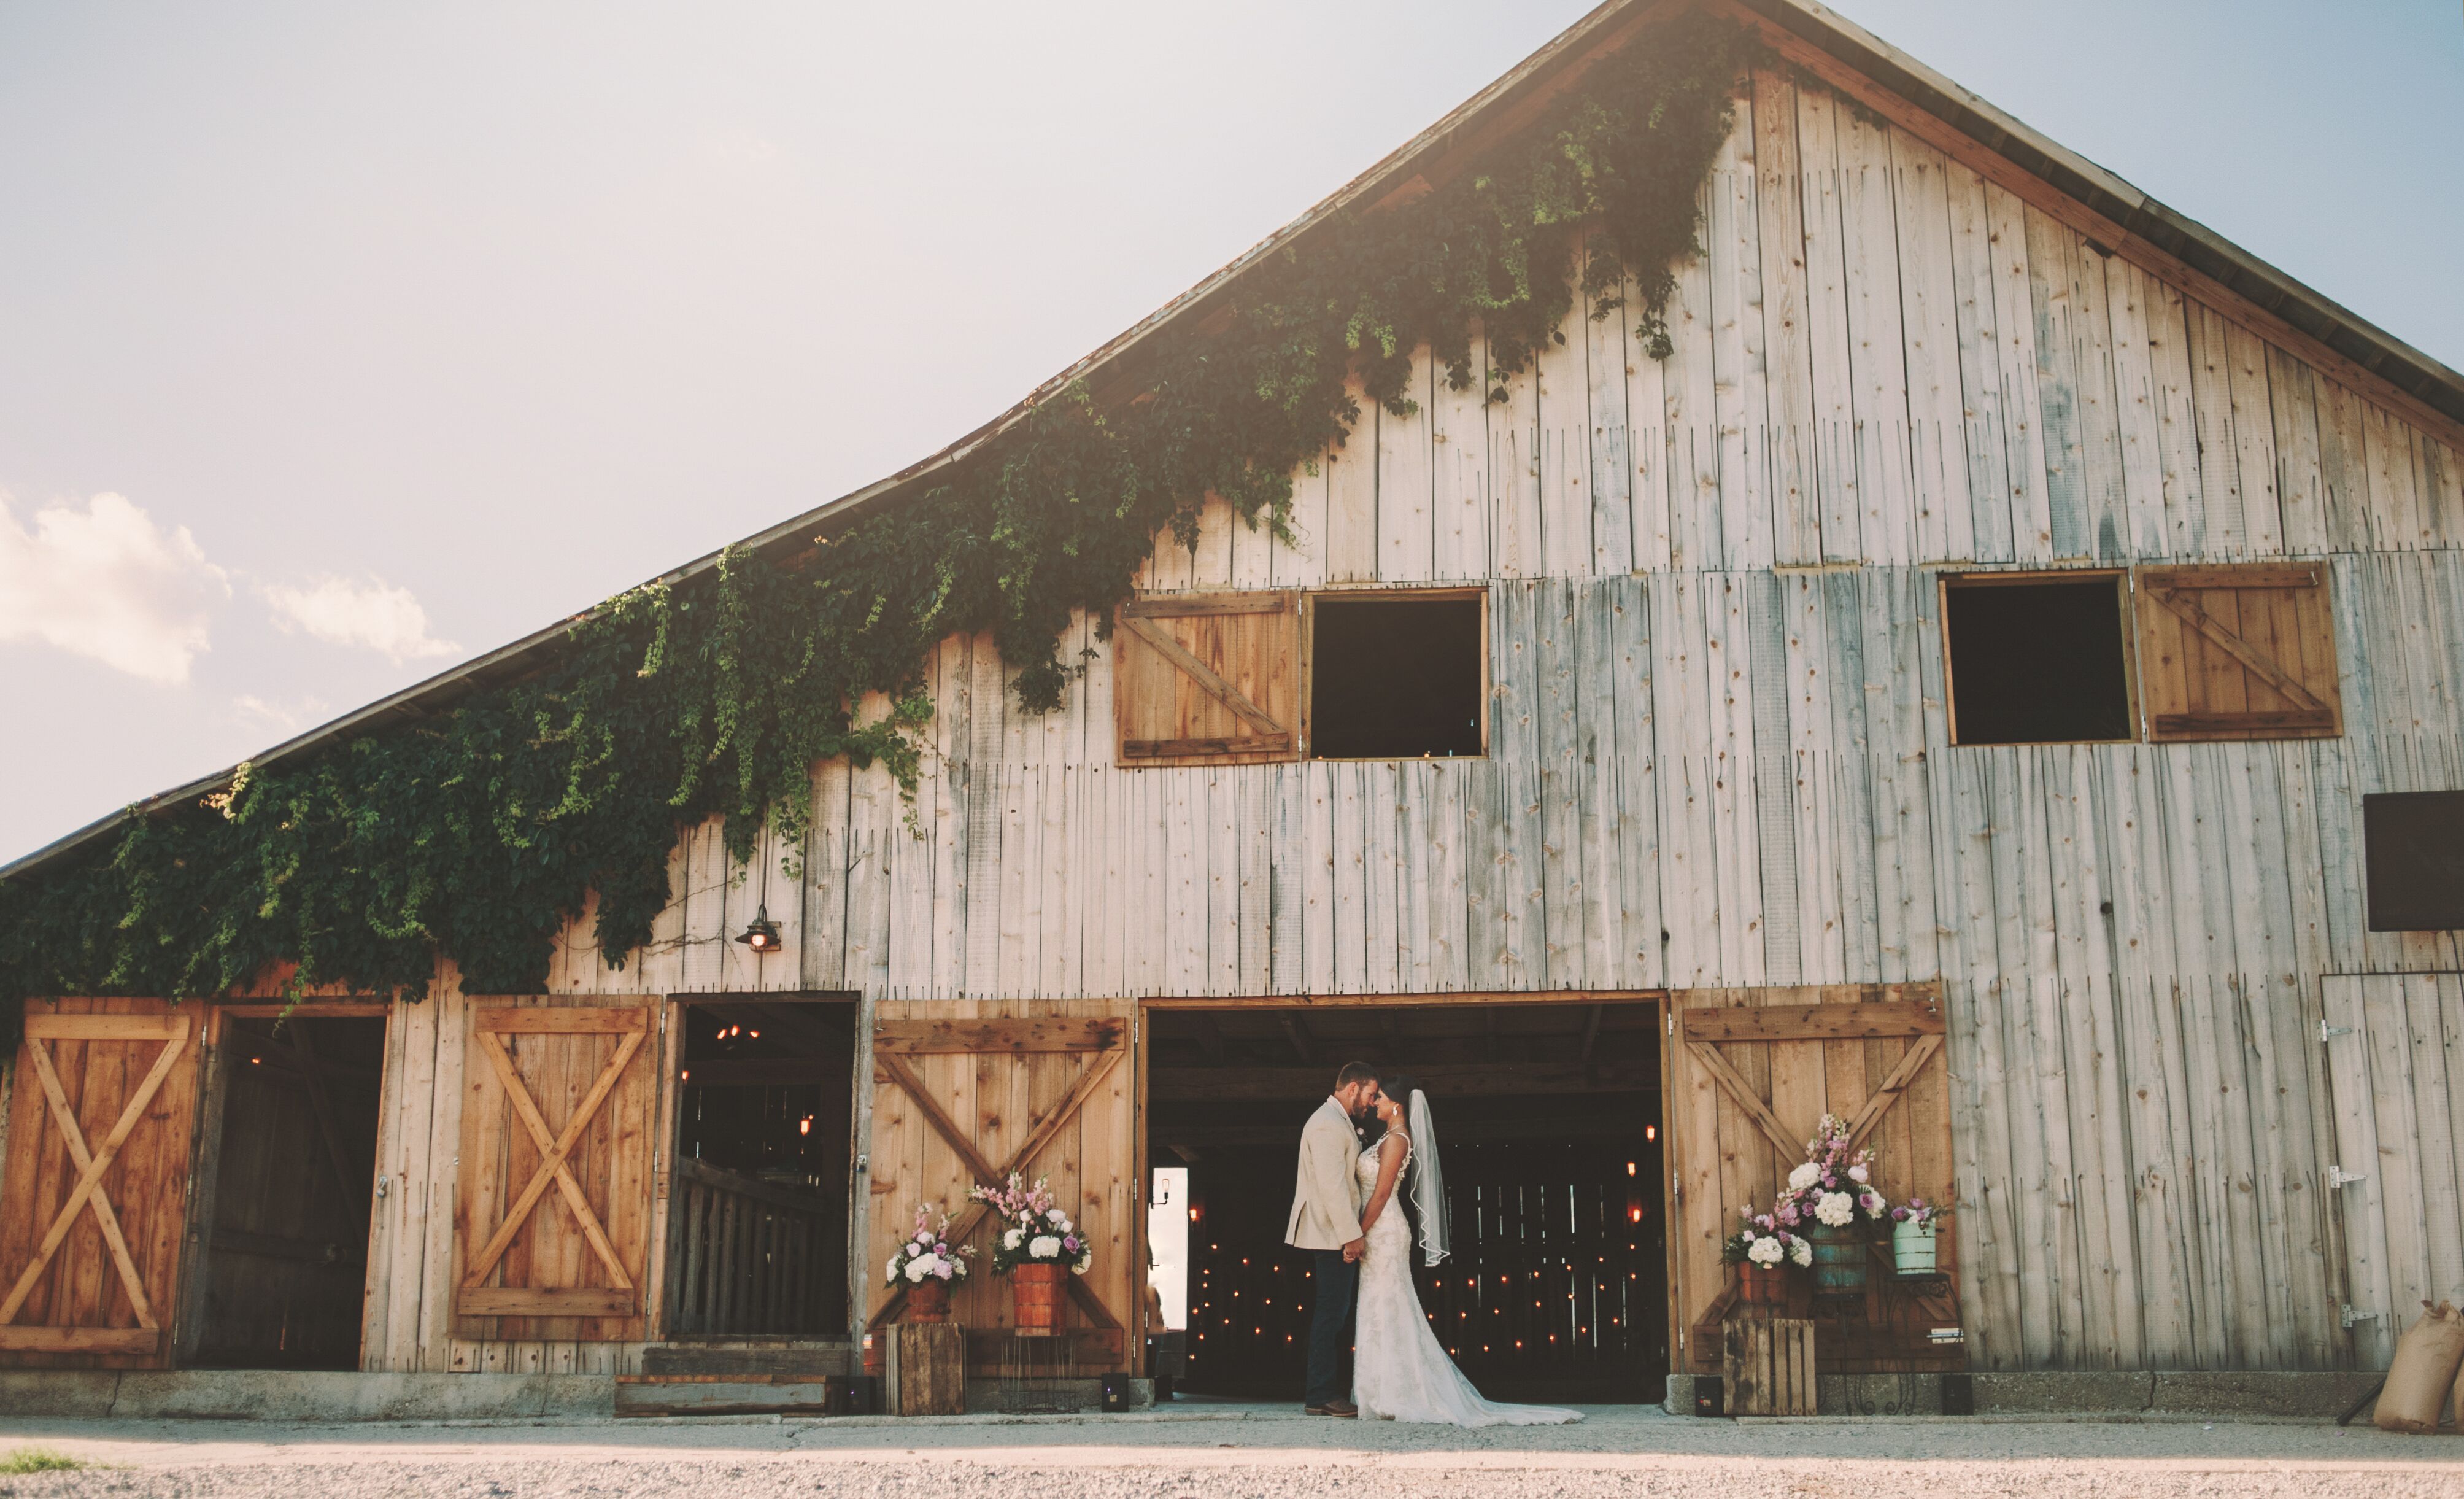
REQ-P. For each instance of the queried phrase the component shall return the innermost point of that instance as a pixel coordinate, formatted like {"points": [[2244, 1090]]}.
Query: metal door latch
{"points": [[2348, 1316], [2327, 1032], [2339, 1177], [383, 1183]]}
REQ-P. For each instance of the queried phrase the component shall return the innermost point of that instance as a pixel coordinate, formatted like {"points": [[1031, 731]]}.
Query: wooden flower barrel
{"points": [[1036, 1292], [1761, 1285], [928, 1300]]}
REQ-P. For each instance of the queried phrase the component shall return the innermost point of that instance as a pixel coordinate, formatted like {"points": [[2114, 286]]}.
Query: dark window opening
{"points": [[2036, 663], [2413, 848], [1395, 678]]}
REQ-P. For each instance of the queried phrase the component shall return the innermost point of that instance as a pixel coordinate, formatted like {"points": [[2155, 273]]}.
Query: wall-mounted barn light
{"points": [[762, 933]]}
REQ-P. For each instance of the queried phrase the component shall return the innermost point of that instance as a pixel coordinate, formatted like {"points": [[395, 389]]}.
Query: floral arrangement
{"points": [[1920, 1212], [1035, 1230], [1832, 1188], [928, 1254], [1761, 1242]]}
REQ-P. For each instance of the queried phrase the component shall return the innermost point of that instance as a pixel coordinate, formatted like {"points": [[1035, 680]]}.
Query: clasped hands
{"points": [[1352, 1251]]}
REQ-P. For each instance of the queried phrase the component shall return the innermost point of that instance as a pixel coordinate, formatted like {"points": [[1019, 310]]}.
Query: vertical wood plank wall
{"points": [[1720, 757]]}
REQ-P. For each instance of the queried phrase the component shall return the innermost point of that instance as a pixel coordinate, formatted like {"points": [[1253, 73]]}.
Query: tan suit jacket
{"points": [[1326, 1201]]}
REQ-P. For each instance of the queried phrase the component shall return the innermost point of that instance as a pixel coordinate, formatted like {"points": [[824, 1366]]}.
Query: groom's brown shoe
{"points": [[1334, 1408]]}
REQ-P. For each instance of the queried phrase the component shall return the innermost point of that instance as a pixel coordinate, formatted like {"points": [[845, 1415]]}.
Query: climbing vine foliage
{"points": [[477, 831]]}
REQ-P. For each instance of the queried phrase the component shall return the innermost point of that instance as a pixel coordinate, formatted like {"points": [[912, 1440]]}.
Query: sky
{"points": [[338, 344]]}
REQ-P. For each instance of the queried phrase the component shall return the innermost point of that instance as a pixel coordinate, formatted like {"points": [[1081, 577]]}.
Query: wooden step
{"points": [[752, 1358], [730, 1395]]}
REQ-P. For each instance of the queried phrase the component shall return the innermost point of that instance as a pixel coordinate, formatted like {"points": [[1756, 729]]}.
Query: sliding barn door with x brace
{"points": [[95, 1191], [553, 1234]]}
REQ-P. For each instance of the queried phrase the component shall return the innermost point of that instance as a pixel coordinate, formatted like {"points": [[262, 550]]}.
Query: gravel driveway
{"points": [[1620, 1452]]}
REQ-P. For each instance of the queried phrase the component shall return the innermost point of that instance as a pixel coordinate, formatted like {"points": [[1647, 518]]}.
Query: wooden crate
{"points": [[927, 1368], [1767, 1365]]}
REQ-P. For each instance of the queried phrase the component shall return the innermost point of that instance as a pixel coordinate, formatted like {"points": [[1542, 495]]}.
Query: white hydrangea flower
{"points": [[1801, 1251], [1858, 1174], [921, 1267], [1836, 1210], [1013, 1239], [892, 1270], [1057, 1216], [1764, 1251], [1804, 1176], [1045, 1247]]}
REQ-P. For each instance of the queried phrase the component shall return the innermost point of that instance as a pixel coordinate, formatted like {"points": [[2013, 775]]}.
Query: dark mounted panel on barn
{"points": [[2413, 847]]}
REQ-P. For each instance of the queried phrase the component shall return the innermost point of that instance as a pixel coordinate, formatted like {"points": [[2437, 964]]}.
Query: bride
{"points": [[1399, 1370]]}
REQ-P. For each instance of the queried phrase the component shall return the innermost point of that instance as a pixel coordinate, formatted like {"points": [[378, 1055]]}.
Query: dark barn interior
{"points": [[287, 1261], [757, 1210], [1549, 1122]]}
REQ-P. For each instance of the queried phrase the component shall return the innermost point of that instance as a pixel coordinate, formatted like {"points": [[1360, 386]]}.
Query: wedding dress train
{"points": [[1400, 1371]]}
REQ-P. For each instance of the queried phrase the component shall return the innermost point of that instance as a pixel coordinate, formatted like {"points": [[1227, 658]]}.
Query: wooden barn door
{"points": [[967, 1093], [552, 1232], [100, 1131], [2396, 1177], [1753, 1074]]}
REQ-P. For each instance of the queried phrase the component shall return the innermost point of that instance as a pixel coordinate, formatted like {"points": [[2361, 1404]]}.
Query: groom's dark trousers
{"points": [[1337, 1280]]}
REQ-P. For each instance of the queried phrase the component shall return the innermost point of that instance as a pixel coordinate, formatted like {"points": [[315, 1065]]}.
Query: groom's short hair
{"points": [[1354, 1073]]}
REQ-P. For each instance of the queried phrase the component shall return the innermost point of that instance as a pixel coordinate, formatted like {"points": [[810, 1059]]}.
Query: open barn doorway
{"points": [[287, 1184], [1550, 1126], [758, 1202]]}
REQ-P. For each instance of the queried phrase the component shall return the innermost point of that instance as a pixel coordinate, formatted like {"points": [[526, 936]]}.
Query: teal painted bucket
{"points": [[1913, 1248], [1839, 1260]]}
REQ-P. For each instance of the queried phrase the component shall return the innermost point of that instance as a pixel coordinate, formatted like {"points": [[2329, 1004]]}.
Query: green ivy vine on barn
{"points": [[477, 832]]}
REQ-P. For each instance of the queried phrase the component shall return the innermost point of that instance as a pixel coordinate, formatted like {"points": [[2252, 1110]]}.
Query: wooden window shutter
{"points": [[2241, 651], [1207, 679]]}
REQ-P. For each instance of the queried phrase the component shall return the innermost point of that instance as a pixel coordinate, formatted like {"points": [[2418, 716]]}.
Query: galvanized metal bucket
{"points": [[1913, 1248], [1839, 1260]]}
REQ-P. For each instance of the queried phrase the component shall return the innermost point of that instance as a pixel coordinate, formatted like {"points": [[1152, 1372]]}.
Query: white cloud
{"points": [[284, 719], [107, 583], [373, 614]]}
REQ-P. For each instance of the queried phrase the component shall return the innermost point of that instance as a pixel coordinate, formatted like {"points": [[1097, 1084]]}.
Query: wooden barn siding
{"points": [[1720, 755]]}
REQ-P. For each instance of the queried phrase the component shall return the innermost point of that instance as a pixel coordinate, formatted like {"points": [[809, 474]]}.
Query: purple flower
{"points": [[1071, 1242], [1763, 1222], [1829, 1180], [941, 1248]]}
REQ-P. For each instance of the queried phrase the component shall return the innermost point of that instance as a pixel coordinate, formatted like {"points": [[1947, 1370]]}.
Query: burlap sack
{"points": [[2423, 1376]]}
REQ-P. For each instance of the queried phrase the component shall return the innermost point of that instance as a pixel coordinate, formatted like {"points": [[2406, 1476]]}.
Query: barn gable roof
{"points": [[2109, 211]]}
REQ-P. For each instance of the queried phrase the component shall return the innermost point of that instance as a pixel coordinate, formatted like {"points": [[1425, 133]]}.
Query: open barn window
{"points": [[2413, 849], [2037, 659], [1396, 676]]}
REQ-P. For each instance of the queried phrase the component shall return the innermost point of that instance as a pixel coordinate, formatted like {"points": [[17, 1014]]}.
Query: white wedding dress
{"points": [[1399, 1370]]}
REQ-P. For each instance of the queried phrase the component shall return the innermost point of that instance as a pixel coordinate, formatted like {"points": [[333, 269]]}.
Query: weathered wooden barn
{"points": [[1991, 681]]}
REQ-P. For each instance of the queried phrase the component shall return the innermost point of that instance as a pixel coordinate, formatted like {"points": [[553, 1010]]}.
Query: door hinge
{"points": [[1677, 1186], [1670, 1016], [2348, 1316], [2327, 1032], [2339, 1177]]}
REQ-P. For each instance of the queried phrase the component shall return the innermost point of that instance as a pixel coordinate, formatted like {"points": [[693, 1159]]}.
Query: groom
{"points": [[1326, 1218]]}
